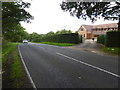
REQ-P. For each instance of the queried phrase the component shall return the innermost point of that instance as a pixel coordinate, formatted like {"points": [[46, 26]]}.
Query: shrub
{"points": [[101, 39], [63, 38], [112, 39]]}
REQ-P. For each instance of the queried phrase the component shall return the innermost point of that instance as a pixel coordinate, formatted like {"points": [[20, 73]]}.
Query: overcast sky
{"points": [[48, 16]]}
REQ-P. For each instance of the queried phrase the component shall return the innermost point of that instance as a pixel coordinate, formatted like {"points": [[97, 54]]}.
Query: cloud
{"points": [[49, 17]]}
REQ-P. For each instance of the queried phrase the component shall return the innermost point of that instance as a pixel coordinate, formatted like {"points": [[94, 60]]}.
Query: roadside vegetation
{"points": [[111, 50], [14, 75], [56, 44], [110, 41], [6, 49]]}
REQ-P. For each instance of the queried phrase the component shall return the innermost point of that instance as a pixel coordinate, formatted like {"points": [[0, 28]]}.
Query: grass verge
{"points": [[6, 49], [56, 44], [111, 50], [14, 75], [16, 70]]}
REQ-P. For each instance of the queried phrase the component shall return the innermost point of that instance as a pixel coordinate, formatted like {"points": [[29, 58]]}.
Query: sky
{"points": [[48, 16]]}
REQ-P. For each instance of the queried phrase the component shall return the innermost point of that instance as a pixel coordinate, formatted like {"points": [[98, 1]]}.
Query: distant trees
{"points": [[35, 37], [63, 31]]}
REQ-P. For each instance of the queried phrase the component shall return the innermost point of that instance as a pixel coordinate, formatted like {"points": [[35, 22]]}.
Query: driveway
{"points": [[90, 46]]}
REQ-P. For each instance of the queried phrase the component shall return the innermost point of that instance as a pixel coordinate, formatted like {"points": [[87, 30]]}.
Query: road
{"points": [[60, 67]]}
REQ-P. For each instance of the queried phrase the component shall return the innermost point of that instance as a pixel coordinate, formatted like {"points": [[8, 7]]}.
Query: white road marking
{"points": [[94, 51], [79, 77], [33, 84], [89, 65]]}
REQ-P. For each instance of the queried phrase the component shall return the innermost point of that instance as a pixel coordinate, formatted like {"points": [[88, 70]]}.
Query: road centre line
{"points": [[88, 65], [29, 76]]}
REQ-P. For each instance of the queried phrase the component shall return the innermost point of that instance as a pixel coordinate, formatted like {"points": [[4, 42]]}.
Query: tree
{"points": [[93, 10], [63, 31], [12, 14], [16, 34], [35, 37], [49, 33]]}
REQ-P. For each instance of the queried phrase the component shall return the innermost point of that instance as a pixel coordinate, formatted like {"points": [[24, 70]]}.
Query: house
{"points": [[89, 31]]}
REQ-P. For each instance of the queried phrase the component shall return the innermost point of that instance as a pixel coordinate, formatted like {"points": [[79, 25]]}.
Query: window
{"points": [[81, 29]]}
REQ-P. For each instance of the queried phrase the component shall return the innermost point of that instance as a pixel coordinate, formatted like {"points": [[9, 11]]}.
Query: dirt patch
{"points": [[7, 82]]}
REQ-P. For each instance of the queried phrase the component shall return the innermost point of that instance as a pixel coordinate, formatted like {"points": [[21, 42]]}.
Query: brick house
{"points": [[89, 31]]}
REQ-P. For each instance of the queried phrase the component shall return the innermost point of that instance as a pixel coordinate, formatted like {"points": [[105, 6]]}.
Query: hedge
{"points": [[63, 38], [112, 39], [101, 39]]}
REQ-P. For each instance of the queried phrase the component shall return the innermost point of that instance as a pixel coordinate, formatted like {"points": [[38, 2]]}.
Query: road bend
{"points": [[60, 67]]}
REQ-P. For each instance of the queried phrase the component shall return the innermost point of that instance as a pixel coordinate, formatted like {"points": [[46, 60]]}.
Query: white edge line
{"points": [[30, 78], [89, 65]]}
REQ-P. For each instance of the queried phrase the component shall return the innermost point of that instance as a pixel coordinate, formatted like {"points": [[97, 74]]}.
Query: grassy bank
{"points": [[6, 49], [111, 50], [16, 70], [14, 75], [56, 44]]}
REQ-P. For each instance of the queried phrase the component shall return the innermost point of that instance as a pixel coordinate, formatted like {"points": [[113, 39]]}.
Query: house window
{"points": [[81, 29]]}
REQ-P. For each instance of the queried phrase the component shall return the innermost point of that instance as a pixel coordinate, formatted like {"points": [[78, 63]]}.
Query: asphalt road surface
{"points": [[60, 67]]}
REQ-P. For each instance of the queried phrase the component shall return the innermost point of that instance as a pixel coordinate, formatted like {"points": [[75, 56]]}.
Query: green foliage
{"points": [[112, 39], [49, 34], [34, 37], [12, 14], [112, 50], [16, 73], [56, 44], [101, 39], [16, 67], [6, 49], [63, 31], [93, 10], [62, 38], [16, 34]]}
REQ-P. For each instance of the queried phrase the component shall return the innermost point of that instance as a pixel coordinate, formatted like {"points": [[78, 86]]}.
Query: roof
{"points": [[88, 27], [111, 25]]}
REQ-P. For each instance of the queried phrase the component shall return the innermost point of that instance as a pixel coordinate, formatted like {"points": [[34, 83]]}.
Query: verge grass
{"points": [[111, 50], [16, 71], [6, 49], [56, 44]]}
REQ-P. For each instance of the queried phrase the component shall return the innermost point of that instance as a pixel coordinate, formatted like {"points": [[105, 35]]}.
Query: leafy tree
{"points": [[35, 37], [49, 33], [12, 14], [16, 33], [93, 10], [63, 31]]}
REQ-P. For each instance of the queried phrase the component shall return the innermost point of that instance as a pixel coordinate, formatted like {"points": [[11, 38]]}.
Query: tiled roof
{"points": [[88, 27], [111, 25]]}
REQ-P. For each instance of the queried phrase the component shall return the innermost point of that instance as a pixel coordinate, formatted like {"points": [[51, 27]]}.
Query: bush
{"points": [[112, 39], [101, 39], [63, 38]]}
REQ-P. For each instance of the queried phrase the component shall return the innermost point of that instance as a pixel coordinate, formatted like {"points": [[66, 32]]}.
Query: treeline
{"points": [[61, 36], [35, 37]]}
